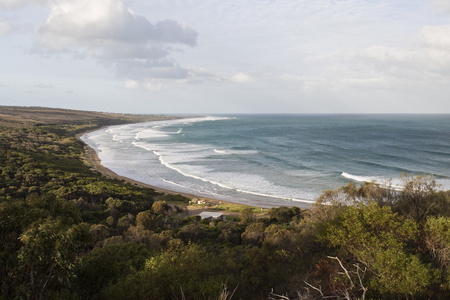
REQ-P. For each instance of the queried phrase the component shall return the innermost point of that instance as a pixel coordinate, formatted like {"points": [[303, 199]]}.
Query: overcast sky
{"points": [[227, 56]]}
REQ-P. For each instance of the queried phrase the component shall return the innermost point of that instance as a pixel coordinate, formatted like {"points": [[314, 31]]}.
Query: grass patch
{"points": [[239, 208]]}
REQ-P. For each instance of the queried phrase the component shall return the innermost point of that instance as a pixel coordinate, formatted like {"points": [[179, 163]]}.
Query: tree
{"points": [[160, 207], [282, 214], [191, 232], [377, 238], [100, 231], [254, 234], [436, 237], [188, 272], [147, 219], [436, 240], [418, 197], [48, 254], [105, 266], [248, 215]]}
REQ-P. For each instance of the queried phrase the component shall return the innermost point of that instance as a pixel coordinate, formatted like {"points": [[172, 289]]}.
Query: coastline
{"points": [[93, 161]]}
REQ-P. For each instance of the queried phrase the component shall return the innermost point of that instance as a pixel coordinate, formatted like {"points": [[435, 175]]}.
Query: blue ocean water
{"points": [[273, 160]]}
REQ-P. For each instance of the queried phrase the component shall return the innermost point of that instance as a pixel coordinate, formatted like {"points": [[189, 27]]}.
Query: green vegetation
{"points": [[66, 232]]}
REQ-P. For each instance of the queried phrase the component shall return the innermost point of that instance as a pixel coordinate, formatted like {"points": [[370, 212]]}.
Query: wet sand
{"points": [[93, 161]]}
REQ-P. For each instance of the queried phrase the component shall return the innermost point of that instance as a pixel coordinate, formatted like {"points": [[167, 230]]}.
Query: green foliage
{"points": [[254, 234], [68, 233], [190, 272], [284, 214], [48, 254], [147, 219], [175, 198], [248, 215], [436, 237], [191, 233], [41, 238], [417, 198], [160, 207], [105, 266], [377, 238]]}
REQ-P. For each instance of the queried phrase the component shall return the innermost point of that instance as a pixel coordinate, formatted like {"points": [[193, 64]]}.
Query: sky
{"points": [[227, 56]]}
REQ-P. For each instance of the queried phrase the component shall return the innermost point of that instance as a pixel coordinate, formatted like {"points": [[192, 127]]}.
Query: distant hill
{"points": [[17, 116]]}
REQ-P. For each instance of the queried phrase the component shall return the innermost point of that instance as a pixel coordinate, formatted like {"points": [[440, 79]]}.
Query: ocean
{"points": [[275, 160]]}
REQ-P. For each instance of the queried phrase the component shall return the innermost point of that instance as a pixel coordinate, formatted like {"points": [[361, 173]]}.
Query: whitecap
{"points": [[195, 171], [174, 183], [385, 182], [236, 152], [151, 133]]}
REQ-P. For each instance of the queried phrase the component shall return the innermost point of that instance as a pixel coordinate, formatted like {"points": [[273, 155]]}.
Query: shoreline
{"points": [[93, 161]]}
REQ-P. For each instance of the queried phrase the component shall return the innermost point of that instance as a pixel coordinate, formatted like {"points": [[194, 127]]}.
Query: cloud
{"points": [[437, 37], [5, 28], [170, 31], [423, 63], [131, 84], [150, 85], [418, 60], [44, 86], [241, 78], [12, 4], [114, 35], [161, 68], [429, 56], [442, 5]]}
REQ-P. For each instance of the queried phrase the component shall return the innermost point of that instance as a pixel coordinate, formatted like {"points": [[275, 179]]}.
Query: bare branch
{"points": [[364, 289], [317, 289], [279, 296], [345, 270]]}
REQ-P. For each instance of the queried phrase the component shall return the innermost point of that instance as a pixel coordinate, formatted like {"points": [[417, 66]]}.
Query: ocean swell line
{"points": [[168, 165], [378, 180]]}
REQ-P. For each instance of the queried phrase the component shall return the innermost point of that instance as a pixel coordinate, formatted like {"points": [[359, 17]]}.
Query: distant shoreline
{"points": [[93, 161]]}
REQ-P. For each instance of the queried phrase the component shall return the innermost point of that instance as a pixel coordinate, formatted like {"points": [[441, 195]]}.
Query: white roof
{"points": [[208, 214]]}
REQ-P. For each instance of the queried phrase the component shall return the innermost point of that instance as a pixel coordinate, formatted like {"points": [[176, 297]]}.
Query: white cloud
{"points": [[241, 78], [131, 84], [442, 5], [430, 54], [436, 36], [5, 28], [150, 85], [147, 69], [12, 4], [111, 33], [422, 63]]}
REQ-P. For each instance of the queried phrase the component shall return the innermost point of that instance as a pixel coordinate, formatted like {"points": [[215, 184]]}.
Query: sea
{"points": [[276, 160]]}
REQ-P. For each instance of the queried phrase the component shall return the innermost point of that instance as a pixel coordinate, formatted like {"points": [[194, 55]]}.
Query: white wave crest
{"points": [[237, 152], [151, 133], [174, 183], [384, 182], [359, 178], [141, 145], [220, 151], [219, 184], [117, 138]]}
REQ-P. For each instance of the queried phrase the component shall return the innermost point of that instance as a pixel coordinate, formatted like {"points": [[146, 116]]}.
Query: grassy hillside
{"points": [[67, 232], [16, 116]]}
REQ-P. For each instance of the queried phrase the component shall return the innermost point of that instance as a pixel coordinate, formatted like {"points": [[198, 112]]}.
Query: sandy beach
{"points": [[93, 161]]}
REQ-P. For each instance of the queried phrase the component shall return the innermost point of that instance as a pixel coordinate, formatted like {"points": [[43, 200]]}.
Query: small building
{"points": [[207, 215], [197, 201]]}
